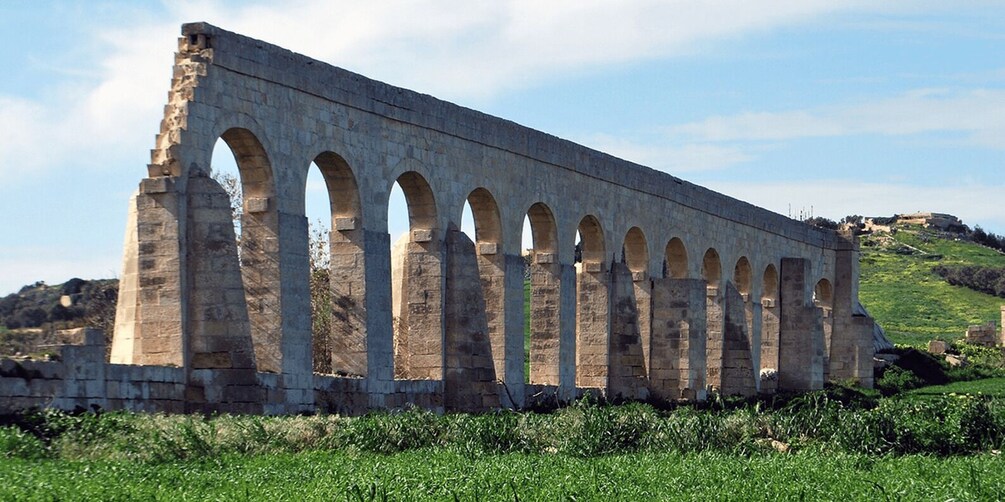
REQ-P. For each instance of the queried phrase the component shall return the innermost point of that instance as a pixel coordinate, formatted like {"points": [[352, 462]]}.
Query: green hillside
{"points": [[912, 303]]}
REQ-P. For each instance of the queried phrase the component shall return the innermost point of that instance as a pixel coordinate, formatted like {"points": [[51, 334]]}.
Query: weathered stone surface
{"points": [[221, 322]]}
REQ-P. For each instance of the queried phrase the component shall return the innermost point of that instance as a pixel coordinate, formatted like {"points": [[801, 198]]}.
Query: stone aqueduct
{"points": [[677, 289]]}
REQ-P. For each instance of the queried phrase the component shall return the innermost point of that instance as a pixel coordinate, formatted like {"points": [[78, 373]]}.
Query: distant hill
{"points": [[908, 298], [29, 317]]}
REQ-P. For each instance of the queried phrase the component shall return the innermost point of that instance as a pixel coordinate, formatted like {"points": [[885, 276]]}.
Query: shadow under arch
{"points": [[258, 248]]}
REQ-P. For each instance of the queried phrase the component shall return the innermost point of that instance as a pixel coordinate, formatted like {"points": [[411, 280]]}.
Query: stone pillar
{"points": [[469, 374], [422, 312], [737, 375], [1002, 342], [513, 369], [222, 356], [643, 287], [754, 319], [347, 280], [850, 349], [627, 376], [379, 330], [567, 334], [801, 337], [714, 340], [545, 305], [260, 271], [769, 338], [677, 350], [593, 326], [148, 317], [295, 330]]}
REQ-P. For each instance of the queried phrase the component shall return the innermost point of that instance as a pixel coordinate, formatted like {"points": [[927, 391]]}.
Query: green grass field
{"points": [[989, 387], [913, 304], [443, 475]]}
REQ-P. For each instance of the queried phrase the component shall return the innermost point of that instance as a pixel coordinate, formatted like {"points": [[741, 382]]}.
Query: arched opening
{"points": [[416, 281], [542, 297], [770, 322], [711, 268], [823, 298], [676, 260], [592, 308], [475, 307], [711, 272], [256, 225], [823, 294], [631, 294], [337, 267], [743, 278]]}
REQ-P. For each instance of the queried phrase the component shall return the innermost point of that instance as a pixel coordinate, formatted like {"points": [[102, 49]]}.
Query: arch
{"points": [[636, 250], [485, 212], [743, 276], [676, 259], [711, 267], [259, 262], [417, 285], [823, 294], [769, 283], [420, 201], [543, 229], [343, 192], [252, 162], [339, 319], [592, 236], [542, 298]]}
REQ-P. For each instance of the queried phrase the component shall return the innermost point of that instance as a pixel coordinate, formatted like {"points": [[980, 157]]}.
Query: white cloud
{"points": [[455, 49], [974, 204], [980, 114]]}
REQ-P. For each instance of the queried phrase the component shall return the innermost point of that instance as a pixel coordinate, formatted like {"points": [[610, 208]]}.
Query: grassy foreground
{"points": [[835, 443], [450, 475]]}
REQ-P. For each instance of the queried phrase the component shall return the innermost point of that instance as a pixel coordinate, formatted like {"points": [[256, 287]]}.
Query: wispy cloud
{"points": [[977, 113]]}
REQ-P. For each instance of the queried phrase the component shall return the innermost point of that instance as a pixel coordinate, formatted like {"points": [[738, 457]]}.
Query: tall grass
{"points": [[822, 421]]}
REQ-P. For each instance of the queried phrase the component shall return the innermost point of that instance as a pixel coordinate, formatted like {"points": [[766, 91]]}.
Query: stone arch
{"points": [[339, 331], [544, 230], [475, 308], [823, 299], [743, 277], [258, 249], [544, 297], [676, 259], [592, 307], [417, 286], [592, 236], [770, 324], [769, 283], [636, 250], [485, 211], [823, 294], [631, 297], [711, 267], [711, 272]]}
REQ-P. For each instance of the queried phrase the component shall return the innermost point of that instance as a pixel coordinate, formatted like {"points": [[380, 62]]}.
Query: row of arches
{"points": [[416, 267]]}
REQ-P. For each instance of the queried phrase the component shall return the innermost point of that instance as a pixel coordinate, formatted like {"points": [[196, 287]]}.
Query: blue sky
{"points": [[842, 107]]}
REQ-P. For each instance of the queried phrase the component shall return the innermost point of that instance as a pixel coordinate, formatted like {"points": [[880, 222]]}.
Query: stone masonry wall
{"points": [[236, 327]]}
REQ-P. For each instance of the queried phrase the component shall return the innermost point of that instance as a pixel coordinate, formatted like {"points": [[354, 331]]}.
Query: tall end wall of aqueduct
{"points": [[674, 290]]}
